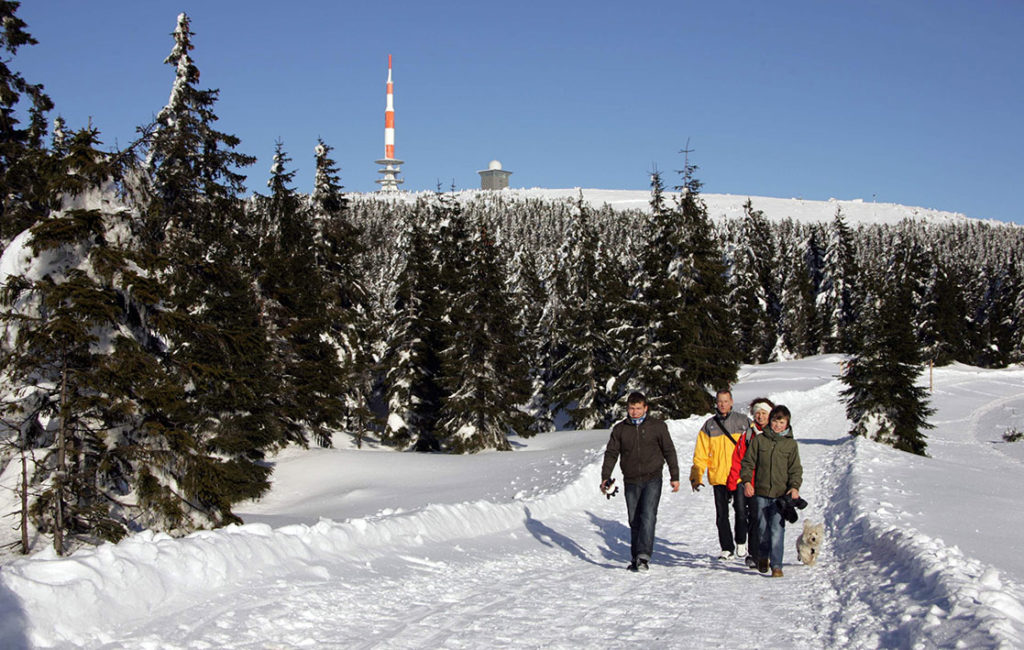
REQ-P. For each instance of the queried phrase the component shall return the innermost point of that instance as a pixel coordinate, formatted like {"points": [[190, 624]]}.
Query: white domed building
{"points": [[494, 177]]}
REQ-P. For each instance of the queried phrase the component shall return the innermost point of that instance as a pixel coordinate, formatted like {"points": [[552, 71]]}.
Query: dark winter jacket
{"points": [[776, 458], [644, 449]]}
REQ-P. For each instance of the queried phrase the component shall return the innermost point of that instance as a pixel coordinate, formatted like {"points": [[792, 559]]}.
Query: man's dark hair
{"points": [[636, 397], [723, 391], [780, 411]]}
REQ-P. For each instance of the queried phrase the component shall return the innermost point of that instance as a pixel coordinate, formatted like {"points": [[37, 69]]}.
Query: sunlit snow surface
{"points": [[372, 548]]}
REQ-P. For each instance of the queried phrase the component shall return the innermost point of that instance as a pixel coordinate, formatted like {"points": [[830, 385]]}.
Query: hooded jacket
{"points": [[776, 459], [644, 449], [713, 451]]}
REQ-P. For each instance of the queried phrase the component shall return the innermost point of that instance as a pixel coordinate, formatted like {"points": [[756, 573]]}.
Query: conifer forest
{"points": [[164, 333]]}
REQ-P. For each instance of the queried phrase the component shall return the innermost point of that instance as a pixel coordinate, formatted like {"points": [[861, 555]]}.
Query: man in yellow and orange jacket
{"points": [[713, 454]]}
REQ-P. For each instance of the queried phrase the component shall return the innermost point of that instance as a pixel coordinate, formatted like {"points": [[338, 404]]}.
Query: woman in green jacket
{"points": [[771, 468]]}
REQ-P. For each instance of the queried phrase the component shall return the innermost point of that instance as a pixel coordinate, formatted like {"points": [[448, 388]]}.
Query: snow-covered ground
{"points": [[362, 549]]}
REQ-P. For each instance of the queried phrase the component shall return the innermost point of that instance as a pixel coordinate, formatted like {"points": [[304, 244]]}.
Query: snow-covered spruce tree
{"points": [[798, 335], [530, 301], [587, 371], [996, 320], [687, 350], [339, 256], [308, 399], [417, 334], [83, 393], [836, 301], [195, 236], [883, 400], [22, 151], [944, 333], [483, 368], [754, 295]]}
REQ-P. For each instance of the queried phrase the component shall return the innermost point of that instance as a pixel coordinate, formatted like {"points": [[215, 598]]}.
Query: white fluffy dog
{"points": [[809, 542]]}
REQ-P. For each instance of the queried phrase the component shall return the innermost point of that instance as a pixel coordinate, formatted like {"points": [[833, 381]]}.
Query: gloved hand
{"points": [[695, 476]]}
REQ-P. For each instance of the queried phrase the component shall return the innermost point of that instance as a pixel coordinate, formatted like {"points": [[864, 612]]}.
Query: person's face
{"points": [[637, 410], [780, 424], [724, 403], [761, 417]]}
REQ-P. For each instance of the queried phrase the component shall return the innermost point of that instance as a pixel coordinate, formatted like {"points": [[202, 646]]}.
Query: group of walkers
{"points": [[754, 465]]}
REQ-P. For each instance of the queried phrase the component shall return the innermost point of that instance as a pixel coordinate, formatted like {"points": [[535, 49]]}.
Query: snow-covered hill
{"points": [[721, 206], [358, 549]]}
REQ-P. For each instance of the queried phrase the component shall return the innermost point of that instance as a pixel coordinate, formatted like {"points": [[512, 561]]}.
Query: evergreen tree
{"points": [[339, 254], [484, 373], [755, 296], [22, 152], [89, 396], [883, 400], [996, 324], [210, 321], [944, 333], [531, 303], [798, 319], [836, 298], [412, 366], [308, 399], [587, 372], [688, 351]]}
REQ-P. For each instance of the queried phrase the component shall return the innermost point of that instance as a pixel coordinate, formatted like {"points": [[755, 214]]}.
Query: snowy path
{"points": [[547, 569]]}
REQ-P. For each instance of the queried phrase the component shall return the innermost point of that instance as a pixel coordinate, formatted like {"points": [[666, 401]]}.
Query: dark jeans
{"points": [[642, 509], [773, 530], [746, 521], [722, 495]]}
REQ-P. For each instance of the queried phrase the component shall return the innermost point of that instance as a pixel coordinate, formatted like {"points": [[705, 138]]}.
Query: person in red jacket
{"points": [[760, 408]]}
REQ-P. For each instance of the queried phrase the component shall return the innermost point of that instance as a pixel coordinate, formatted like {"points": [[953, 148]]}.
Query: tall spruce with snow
{"points": [[586, 386], [754, 295], [944, 333], [22, 151], [798, 331], [416, 335], [531, 304], [83, 392], [687, 350], [307, 400], [883, 400], [836, 299], [339, 256], [210, 319], [484, 374]]}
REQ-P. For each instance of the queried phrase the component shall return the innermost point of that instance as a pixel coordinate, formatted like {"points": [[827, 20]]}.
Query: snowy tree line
{"points": [[163, 333]]}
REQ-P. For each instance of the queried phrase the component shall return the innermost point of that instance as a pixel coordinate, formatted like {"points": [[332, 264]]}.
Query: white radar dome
{"points": [[495, 164]]}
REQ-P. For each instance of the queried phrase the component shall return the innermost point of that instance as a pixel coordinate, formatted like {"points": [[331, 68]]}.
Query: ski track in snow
{"points": [[548, 570]]}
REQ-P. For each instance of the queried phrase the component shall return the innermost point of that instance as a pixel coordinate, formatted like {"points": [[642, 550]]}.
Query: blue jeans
{"points": [[642, 509], [772, 527]]}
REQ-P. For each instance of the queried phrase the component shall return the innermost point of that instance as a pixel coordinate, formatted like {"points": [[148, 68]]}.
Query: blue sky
{"points": [[916, 102]]}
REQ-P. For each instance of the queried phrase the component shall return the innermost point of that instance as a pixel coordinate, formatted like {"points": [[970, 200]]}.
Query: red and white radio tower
{"points": [[389, 181]]}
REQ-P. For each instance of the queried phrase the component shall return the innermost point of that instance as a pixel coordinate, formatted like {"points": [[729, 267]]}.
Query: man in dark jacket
{"points": [[644, 446]]}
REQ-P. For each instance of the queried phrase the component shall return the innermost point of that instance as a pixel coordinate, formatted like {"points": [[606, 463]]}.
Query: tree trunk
{"points": [[24, 496], [58, 528]]}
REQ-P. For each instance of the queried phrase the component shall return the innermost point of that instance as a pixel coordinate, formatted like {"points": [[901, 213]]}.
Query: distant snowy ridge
{"points": [[730, 206]]}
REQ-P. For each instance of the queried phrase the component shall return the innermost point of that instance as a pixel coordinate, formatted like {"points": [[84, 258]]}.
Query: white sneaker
{"points": [[741, 550], [724, 555]]}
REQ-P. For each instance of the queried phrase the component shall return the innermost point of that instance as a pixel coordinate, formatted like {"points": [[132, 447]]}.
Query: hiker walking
{"points": [[713, 454], [643, 445]]}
